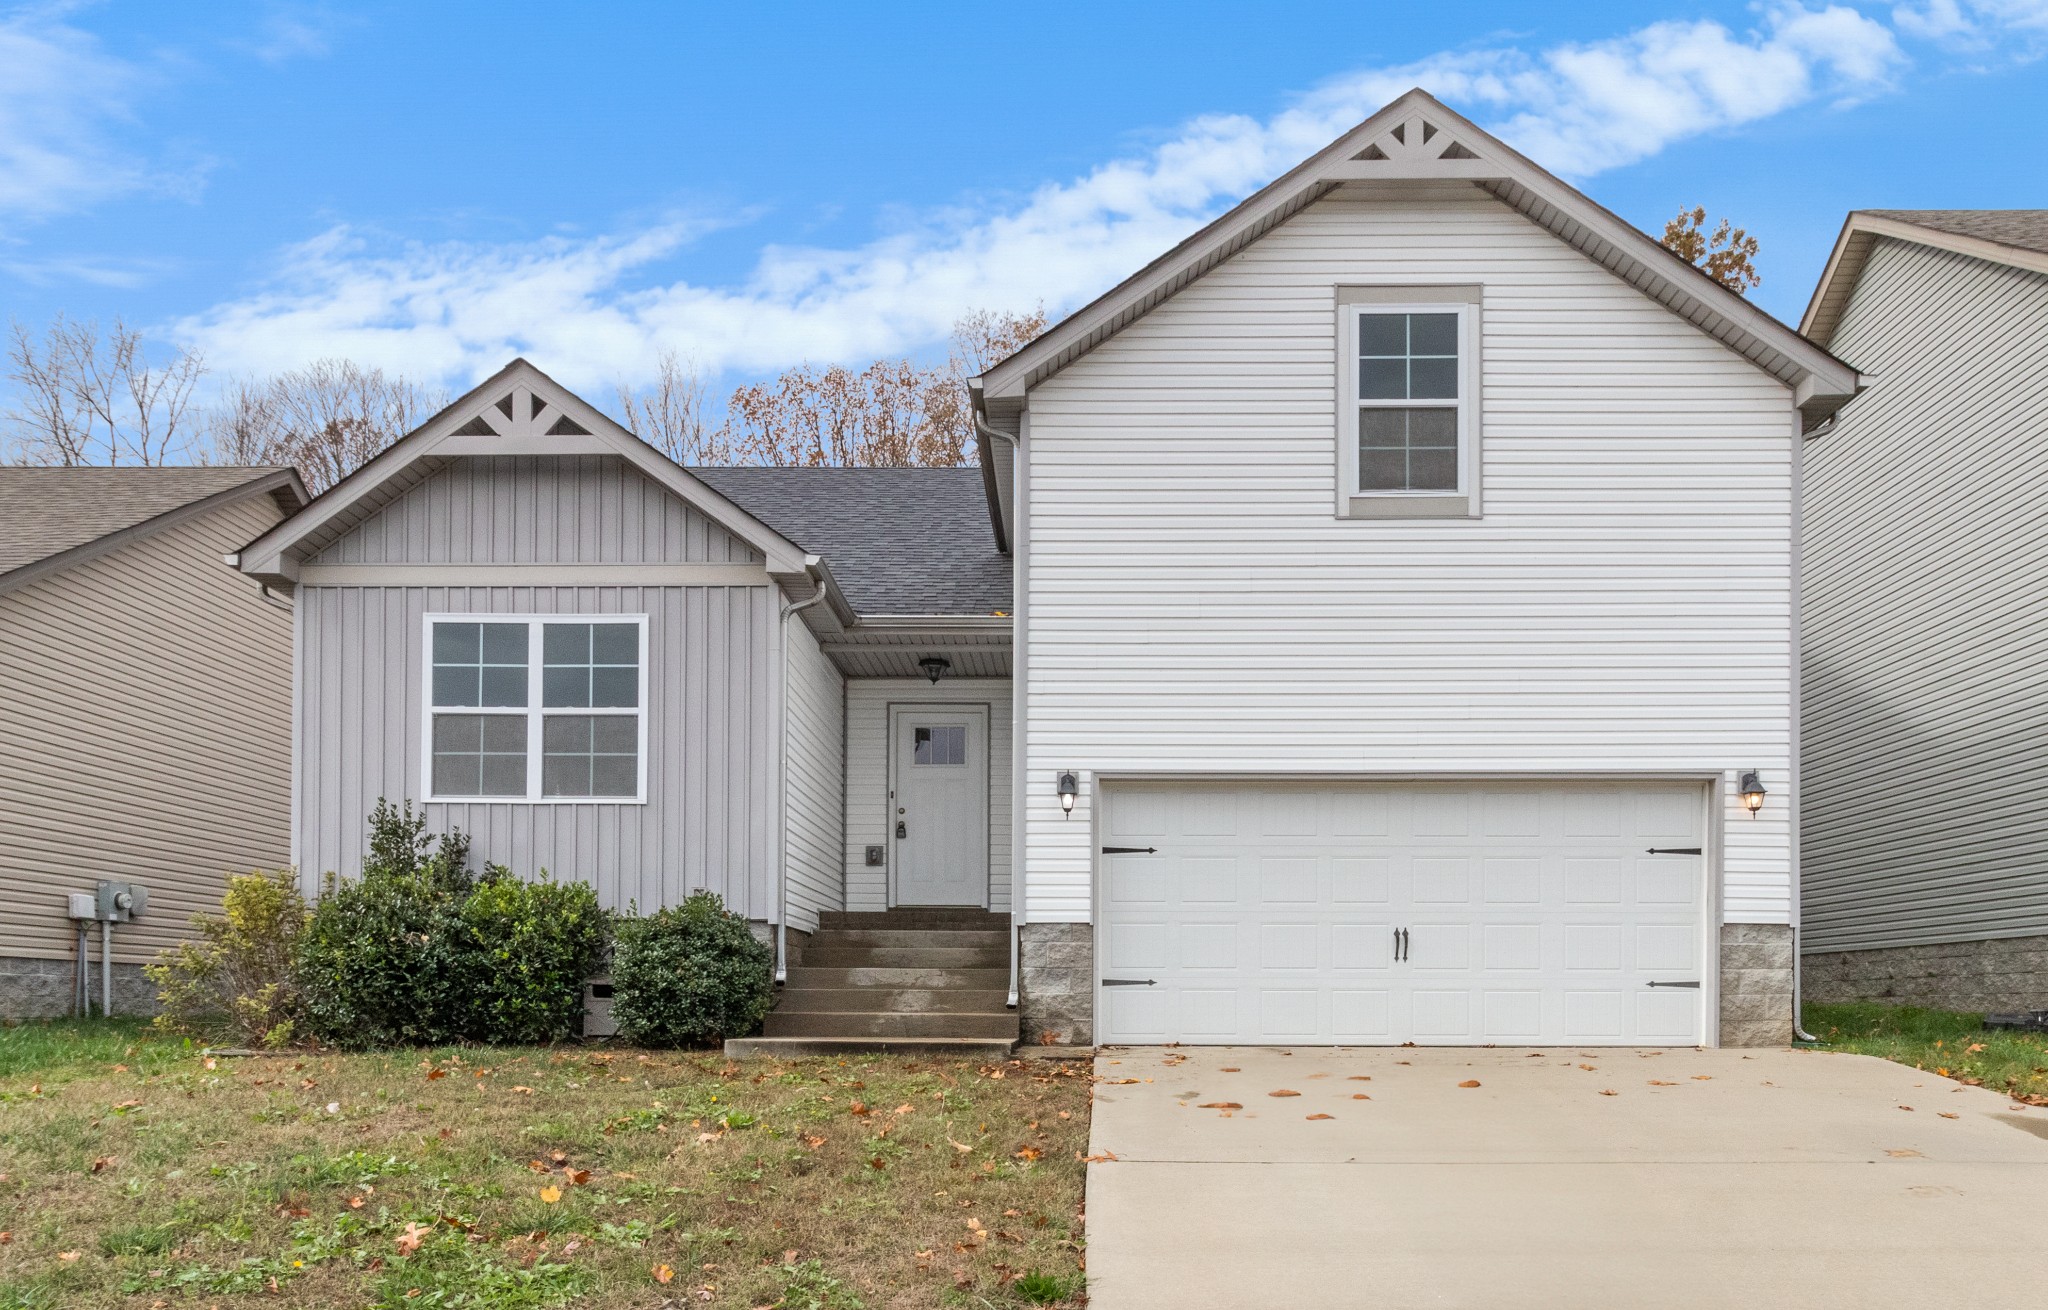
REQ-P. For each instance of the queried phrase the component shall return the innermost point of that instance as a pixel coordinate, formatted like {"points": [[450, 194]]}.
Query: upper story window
{"points": [[536, 708], [1408, 424]]}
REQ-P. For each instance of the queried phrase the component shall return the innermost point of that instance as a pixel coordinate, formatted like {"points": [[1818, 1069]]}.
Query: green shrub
{"points": [[420, 951], [236, 980], [688, 975], [533, 946], [384, 960]]}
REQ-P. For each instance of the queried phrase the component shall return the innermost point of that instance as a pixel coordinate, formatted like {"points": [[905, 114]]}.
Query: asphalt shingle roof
{"points": [[2023, 229], [900, 540], [47, 511]]}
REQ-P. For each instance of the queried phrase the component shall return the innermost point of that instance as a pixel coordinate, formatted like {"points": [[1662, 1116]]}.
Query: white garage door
{"points": [[1371, 914]]}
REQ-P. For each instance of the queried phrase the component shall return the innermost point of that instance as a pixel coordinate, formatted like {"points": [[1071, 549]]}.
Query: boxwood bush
{"points": [[421, 951], [689, 975]]}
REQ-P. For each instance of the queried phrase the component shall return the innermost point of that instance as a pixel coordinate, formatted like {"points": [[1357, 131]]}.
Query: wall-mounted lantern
{"points": [[1751, 789], [1070, 787], [935, 667]]}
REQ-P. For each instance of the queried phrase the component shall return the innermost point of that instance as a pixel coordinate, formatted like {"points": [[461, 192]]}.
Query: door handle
{"points": [[1400, 944], [901, 830]]}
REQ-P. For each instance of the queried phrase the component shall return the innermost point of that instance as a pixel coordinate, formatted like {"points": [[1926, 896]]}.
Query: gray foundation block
{"points": [[2005, 973], [41, 989], [1056, 984], [1756, 984]]}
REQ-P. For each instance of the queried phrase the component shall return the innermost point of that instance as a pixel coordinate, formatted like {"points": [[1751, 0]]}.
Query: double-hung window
{"points": [[540, 708], [1408, 431]]}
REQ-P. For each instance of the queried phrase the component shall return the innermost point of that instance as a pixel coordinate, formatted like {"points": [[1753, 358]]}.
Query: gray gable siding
{"points": [[709, 819], [528, 509], [1923, 678]]}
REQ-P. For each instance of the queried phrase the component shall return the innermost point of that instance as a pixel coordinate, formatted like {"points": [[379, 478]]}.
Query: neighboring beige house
{"points": [[1924, 679], [145, 708]]}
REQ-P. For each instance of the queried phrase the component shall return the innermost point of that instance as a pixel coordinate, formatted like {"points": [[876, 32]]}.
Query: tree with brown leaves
{"points": [[1727, 255], [327, 419]]}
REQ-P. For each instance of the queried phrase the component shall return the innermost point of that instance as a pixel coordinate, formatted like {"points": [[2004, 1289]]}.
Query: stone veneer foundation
{"points": [[41, 989], [1058, 989], [2005, 973]]}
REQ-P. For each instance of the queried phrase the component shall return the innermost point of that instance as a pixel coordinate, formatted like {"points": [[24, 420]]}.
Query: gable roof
{"points": [[2016, 237], [1418, 138], [901, 541], [518, 410], [53, 517]]}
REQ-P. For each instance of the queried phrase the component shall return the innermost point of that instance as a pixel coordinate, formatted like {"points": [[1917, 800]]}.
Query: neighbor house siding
{"points": [[1624, 606], [814, 827], [709, 820], [145, 733], [867, 777], [1926, 687]]}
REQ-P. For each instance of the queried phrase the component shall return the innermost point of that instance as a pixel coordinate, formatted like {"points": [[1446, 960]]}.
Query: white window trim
{"points": [[535, 713], [1463, 502]]}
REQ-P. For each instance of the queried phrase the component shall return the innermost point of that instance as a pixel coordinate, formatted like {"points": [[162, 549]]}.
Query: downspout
{"points": [[1792, 769], [782, 773], [1017, 780]]}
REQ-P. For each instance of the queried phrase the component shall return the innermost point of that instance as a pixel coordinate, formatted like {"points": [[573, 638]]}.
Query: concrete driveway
{"points": [[1708, 1178]]}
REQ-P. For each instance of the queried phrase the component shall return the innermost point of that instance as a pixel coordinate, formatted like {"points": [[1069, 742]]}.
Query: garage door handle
{"points": [[1674, 984], [1129, 982]]}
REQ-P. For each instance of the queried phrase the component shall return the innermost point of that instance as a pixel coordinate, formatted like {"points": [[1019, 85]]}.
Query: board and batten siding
{"points": [[1925, 694], [868, 811], [538, 509], [815, 814], [145, 733], [709, 820], [1625, 605]]}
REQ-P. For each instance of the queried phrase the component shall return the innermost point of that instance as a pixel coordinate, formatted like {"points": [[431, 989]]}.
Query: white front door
{"points": [[1442, 914], [938, 802]]}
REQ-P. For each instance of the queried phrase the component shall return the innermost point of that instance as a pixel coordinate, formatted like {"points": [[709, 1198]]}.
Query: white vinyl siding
{"points": [[1624, 607], [814, 830], [867, 777], [145, 733], [1924, 682]]}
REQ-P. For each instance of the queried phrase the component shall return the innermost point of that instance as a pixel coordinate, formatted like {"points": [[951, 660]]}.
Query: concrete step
{"points": [[905, 957], [932, 1048], [1000, 1025], [891, 1000], [977, 938], [815, 976], [915, 916]]}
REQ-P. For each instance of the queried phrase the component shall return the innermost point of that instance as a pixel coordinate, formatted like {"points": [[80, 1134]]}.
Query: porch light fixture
{"points": [[1070, 787], [935, 667], [1752, 789]]}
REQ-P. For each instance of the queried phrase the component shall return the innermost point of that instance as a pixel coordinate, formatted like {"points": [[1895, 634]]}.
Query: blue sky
{"points": [[432, 188]]}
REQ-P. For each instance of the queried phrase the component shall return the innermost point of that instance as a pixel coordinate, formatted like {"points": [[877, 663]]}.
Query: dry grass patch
{"points": [[538, 1177]]}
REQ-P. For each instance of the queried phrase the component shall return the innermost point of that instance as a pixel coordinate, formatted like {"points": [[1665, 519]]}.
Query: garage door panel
{"points": [[1532, 914]]}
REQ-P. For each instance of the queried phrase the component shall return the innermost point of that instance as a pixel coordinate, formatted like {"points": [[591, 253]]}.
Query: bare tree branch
{"points": [[669, 415], [327, 419], [84, 400]]}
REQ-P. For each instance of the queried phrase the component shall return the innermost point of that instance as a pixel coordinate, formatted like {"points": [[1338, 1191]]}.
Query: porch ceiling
{"points": [[862, 654]]}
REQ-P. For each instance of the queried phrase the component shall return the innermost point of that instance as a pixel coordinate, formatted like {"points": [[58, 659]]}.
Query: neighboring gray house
{"points": [[145, 709], [1403, 644], [1924, 685]]}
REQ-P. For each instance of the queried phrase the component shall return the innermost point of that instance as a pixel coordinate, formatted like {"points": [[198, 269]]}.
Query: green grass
{"points": [[1943, 1042], [56, 1045], [136, 1171]]}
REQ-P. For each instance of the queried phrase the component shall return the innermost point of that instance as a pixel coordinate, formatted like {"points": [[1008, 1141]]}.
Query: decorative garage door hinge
{"points": [[1674, 850], [1694, 983], [1130, 850], [1129, 982]]}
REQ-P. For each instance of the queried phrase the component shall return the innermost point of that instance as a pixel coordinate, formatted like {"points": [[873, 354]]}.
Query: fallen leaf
{"points": [[1655, 1082], [212, 1063], [1905, 1107], [1283, 1092], [409, 1240], [127, 1105], [1469, 1082], [859, 1108], [1905, 1154], [1322, 1116], [577, 1177], [1219, 1105], [1610, 1092], [1589, 1068], [1947, 1115], [527, 1091], [538, 1166], [434, 1075], [355, 1203], [1119, 1082], [69, 1257], [1359, 1078], [905, 1109], [1096, 1159], [1230, 1068], [101, 1163], [664, 1274], [550, 1195], [1360, 1096], [1703, 1077]]}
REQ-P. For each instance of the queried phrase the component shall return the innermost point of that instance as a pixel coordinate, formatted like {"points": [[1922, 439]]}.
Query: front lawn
{"points": [[135, 1172], [1941, 1042]]}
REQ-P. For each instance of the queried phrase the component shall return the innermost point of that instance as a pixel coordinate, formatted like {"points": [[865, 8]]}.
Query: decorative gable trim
{"points": [[1418, 138], [518, 410]]}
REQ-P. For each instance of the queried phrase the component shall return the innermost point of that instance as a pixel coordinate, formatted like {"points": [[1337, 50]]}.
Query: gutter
{"points": [[1018, 782], [814, 569]]}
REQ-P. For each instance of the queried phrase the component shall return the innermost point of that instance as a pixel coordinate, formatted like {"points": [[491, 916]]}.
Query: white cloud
{"points": [[59, 96], [1979, 24], [588, 310]]}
